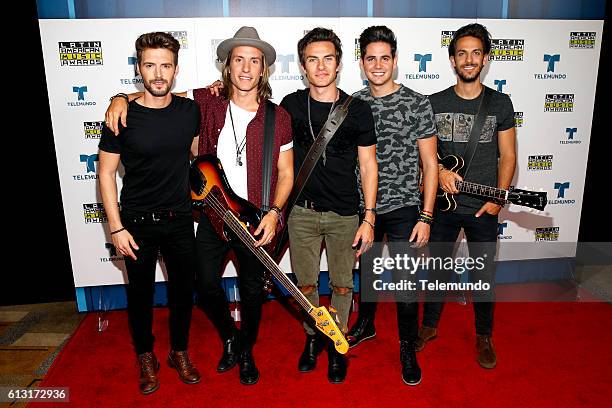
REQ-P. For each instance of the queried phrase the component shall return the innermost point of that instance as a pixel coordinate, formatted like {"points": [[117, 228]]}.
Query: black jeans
{"points": [[175, 239], [481, 235], [210, 253], [398, 225]]}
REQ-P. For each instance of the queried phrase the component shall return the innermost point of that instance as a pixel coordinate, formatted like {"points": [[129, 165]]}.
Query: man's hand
{"points": [[446, 179], [124, 242], [117, 110], [215, 88], [365, 233], [420, 234], [268, 227], [489, 208]]}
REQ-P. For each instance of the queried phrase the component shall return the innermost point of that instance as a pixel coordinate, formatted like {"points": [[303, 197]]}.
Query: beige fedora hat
{"points": [[246, 36]]}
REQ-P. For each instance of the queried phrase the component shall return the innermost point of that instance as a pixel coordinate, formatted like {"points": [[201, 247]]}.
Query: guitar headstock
{"points": [[532, 199], [328, 326]]}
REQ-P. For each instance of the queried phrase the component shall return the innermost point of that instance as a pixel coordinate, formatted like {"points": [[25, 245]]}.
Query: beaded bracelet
{"points": [[423, 217]]}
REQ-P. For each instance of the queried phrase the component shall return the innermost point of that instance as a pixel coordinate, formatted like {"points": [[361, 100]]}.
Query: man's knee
{"points": [[307, 290], [341, 291]]}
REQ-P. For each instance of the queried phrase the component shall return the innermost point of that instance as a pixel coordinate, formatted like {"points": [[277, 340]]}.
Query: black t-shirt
{"points": [[454, 118], [154, 149], [332, 186]]}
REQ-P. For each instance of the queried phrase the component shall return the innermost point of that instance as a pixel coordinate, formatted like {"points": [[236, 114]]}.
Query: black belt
{"points": [[148, 217], [311, 205]]}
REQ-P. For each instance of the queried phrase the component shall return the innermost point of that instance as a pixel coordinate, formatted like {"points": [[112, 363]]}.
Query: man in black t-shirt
{"points": [[328, 205], [155, 204], [493, 164]]}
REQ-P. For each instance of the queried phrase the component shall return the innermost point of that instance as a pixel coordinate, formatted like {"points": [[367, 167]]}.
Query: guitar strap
{"points": [[479, 121], [268, 146], [312, 157]]}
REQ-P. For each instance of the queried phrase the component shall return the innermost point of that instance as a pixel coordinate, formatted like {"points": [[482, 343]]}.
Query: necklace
{"points": [[310, 121], [239, 146]]}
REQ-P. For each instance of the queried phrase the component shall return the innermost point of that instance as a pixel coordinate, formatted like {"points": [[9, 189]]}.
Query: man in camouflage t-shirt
{"points": [[405, 131]]}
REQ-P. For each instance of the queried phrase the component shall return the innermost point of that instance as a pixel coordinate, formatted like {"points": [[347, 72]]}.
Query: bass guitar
{"points": [[212, 194], [446, 202]]}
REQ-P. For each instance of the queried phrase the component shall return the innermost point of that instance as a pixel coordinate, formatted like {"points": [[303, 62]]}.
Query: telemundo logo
{"points": [[501, 228], [133, 62], [570, 137], [551, 60], [90, 167], [288, 66], [422, 59], [80, 92], [562, 188]]}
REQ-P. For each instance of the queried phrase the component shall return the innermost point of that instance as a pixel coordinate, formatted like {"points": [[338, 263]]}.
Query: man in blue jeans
{"points": [[493, 164]]}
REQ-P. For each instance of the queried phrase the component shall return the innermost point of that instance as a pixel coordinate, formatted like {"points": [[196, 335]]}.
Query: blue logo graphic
{"points": [[551, 59], [570, 133], [423, 60], [284, 61], [80, 90], [501, 227], [90, 160], [132, 61], [500, 84], [562, 187]]}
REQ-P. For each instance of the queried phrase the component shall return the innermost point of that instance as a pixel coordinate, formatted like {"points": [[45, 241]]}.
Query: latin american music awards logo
{"points": [[80, 53], [540, 162], [501, 231], [422, 60], [357, 50], [570, 137], [181, 37], [445, 38], [582, 39], [507, 50], [518, 119], [559, 103], [89, 161], [93, 130], [551, 60], [94, 213], [547, 234], [562, 189]]}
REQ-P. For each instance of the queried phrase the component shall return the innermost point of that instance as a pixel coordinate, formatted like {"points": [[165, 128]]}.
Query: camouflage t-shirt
{"points": [[400, 118]]}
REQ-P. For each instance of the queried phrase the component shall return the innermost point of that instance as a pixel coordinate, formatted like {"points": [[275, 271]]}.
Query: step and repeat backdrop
{"points": [[548, 67]]}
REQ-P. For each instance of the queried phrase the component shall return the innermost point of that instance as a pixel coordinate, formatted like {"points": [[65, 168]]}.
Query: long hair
{"points": [[264, 90]]}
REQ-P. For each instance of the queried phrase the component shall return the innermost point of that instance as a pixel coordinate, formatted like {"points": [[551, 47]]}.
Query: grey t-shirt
{"points": [[400, 118], [454, 119]]}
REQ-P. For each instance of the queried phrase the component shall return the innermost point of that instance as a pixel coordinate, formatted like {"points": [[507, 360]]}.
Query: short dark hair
{"points": [[157, 40], [316, 35], [471, 30], [377, 34]]}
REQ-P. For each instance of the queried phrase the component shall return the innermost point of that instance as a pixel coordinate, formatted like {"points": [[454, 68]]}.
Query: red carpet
{"points": [[549, 355]]}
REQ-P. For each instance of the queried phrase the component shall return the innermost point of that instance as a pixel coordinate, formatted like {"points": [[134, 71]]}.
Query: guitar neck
{"points": [[482, 190], [236, 226]]}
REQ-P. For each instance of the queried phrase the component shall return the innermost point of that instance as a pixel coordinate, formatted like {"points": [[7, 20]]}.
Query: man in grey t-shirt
{"points": [[405, 131]]}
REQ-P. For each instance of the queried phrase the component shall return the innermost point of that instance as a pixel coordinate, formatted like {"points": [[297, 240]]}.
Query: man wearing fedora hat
{"points": [[232, 128]]}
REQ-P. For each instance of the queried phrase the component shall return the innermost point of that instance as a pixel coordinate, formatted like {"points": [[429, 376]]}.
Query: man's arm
{"points": [[428, 152], [284, 184], [123, 240], [118, 110], [368, 169], [506, 141]]}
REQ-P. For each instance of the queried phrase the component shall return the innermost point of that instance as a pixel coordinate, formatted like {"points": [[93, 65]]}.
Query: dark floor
{"points": [[31, 336]]}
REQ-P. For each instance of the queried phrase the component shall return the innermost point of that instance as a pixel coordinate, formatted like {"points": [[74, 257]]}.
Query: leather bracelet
{"points": [[369, 223], [370, 209], [279, 214], [120, 95], [116, 231]]}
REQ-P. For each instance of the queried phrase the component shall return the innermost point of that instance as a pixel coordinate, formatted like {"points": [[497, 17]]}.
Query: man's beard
{"points": [[469, 79], [157, 92]]}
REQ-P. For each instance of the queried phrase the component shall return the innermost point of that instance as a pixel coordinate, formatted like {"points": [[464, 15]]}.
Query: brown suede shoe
{"points": [[179, 360], [486, 353], [426, 334], [149, 366]]}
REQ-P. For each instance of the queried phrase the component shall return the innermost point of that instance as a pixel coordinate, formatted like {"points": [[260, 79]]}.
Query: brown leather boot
{"points": [[426, 334], [486, 352], [179, 360], [149, 366]]}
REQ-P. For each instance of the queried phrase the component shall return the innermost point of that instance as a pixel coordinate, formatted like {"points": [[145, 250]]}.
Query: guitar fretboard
{"points": [[481, 190]]}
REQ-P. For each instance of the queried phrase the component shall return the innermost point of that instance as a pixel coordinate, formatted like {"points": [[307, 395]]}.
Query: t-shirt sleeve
{"points": [[426, 121], [109, 142], [507, 111], [365, 121], [285, 131]]}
